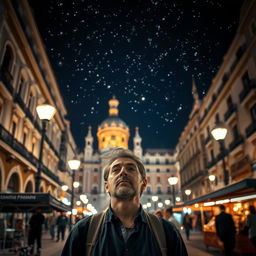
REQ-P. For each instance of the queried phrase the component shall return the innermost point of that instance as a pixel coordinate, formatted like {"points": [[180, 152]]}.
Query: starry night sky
{"points": [[144, 52]]}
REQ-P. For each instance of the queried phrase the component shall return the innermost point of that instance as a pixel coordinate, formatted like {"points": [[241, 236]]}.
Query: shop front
{"points": [[237, 198]]}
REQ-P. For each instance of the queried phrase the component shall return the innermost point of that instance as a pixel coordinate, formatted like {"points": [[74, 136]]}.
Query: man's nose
{"points": [[123, 171]]}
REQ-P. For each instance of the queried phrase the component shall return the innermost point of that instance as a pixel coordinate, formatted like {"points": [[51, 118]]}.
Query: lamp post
{"points": [[219, 133], [45, 113], [84, 200], [188, 192], [154, 199], [173, 181], [73, 165]]}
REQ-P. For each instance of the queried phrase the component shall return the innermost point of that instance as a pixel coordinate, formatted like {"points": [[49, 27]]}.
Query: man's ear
{"points": [[106, 186], [144, 184]]}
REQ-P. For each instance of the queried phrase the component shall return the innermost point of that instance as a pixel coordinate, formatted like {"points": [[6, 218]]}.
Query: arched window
{"points": [[29, 187], [7, 63], [13, 185]]}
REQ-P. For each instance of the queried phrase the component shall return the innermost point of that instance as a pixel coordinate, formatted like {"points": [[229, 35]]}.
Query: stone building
{"points": [[231, 100], [27, 80], [160, 164]]}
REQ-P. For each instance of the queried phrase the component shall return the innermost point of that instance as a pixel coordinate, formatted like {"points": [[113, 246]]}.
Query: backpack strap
{"points": [[156, 226], [95, 226]]}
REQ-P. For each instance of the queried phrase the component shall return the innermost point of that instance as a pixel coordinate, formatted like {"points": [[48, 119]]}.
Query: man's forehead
{"points": [[124, 160]]}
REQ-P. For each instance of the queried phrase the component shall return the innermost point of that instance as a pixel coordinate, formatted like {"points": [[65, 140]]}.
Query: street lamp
{"points": [[188, 192], [212, 177], [84, 199], [73, 165], [154, 199], [219, 133], [45, 113], [173, 181]]}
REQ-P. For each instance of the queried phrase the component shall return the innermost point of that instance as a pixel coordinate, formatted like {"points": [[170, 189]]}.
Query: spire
{"points": [[194, 90], [113, 104], [89, 134], [137, 135]]}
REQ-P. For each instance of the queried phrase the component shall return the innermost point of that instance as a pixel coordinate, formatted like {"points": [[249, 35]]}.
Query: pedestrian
{"points": [[125, 229], [52, 224], [168, 215], [61, 222], [159, 213], [35, 230], [251, 224], [187, 224], [226, 230]]}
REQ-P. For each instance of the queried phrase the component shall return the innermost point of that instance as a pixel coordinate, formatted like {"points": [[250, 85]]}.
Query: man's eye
{"points": [[131, 169], [115, 169]]}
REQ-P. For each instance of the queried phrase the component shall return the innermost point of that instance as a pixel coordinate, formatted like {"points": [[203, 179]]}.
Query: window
{"points": [[157, 170], [169, 190], [159, 190], [95, 170], [30, 101], [7, 63], [148, 190], [217, 118], [157, 161], [94, 190], [148, 178], [235, 132], [14, 126], [167, 161], [208, 130], [167, 170], [88, 143], [246, 80], [21, 85], [158, 179], [148, 170], [147, 161], [113, 137], [103, 139], [212, 154], [229, 102], [137, 143], [253, 112], [24, 138]]}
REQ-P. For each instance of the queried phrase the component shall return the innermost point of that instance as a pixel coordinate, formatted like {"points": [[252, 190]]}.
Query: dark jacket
{"points": [[36, 222], [225, 226], [111, 242]]}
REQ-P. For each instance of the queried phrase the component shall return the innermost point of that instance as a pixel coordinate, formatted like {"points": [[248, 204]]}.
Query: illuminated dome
{"points": [[113, 131]]}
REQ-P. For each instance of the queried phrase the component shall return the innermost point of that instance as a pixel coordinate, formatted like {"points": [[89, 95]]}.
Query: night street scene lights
{"points": [[73, 164], [45, 113], [154, 199], [219, 133], [173, 181]]}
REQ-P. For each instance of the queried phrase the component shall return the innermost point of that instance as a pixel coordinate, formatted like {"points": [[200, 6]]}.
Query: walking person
{"points": [[226, 230], [61, 222], [35, 230], [187, 224], [168, 215], [52, 224], [125, 228], [251, 224]]}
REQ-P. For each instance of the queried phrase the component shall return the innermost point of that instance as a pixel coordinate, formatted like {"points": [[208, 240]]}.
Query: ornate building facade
{"points": [[230, 100], [160, 164], [26, 80]]}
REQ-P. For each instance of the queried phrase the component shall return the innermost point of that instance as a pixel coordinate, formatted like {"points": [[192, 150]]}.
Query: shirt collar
{"points": [[110, 215]]}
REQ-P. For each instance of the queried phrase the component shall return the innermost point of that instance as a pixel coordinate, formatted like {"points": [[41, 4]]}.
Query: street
{"points": [[195, 246]]}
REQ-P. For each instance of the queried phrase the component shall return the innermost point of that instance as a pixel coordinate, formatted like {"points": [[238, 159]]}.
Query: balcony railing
{"points": [[20, 148], [251, 85], [236, 142], [251, 129]]}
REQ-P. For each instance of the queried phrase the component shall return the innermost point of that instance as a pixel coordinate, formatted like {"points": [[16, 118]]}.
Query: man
{"points": [[125, 230], [35, 230], [52, 224], [226, 231], [168, 214], [61, 222]]}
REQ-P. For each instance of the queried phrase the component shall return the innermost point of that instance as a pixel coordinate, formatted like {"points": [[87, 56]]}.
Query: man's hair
{"points": [[222, 207], [169, 210], [118, 153]]}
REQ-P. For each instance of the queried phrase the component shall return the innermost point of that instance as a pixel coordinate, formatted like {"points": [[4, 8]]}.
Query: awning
{"points": [[245, 187], [28, 202]]}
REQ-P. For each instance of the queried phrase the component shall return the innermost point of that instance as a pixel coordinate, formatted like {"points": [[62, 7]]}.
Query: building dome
{"points": [[113, 131]]}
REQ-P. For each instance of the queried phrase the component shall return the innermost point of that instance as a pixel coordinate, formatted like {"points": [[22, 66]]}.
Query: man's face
{"points": [[124, 179]]}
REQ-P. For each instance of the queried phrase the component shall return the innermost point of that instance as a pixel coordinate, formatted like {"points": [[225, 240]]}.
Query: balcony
{"points": [[250, 129], [247, 89], [236, 142], [231, 109], [197, 175], [211, 163], [19, 148]]}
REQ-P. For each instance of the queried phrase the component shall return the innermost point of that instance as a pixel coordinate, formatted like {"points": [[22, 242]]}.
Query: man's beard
{"points": [[124, 192]]}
